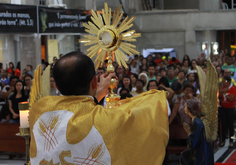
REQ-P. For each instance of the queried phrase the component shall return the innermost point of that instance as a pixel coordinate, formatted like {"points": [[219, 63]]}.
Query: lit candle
{"points": [[24, 114], [24, 120]]}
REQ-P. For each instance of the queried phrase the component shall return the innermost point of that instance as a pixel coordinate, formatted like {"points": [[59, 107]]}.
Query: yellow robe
{"points": [[135, 133]]}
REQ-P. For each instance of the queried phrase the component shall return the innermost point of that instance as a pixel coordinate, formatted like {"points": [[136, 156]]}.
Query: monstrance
{"points": [[107, 37]]}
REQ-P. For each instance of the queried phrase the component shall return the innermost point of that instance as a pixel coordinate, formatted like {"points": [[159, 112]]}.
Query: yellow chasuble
{"points": [[74, 130]]}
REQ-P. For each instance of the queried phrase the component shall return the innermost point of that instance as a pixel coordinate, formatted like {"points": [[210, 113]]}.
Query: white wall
{"points": [[187, 22]]}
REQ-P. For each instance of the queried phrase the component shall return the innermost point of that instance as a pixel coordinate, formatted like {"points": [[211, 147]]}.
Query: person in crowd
{"points": [[9, 89], [128, 71], [159, 59], [158, 77], [219, 61], [163, 72], [17, 97], [219, 71], [174, 61], [192, 78], [144, 77], [176, 72], [178, 91], [23, 73], [126, 83], [125, 95], [134, 78], [200, 151], [17, 70], [115, 64], [227, 114], [164, 85], [28, 83], [144, 66], [214, 63], [124, 90], [227, 72], [120, 70], [178, 65], [229, 65], [186, 65], [151, 72], [152, 84], [139, 88], [214, 59], [182, 78], [156, 71], [29, 69], [134, 67], [150, 60], [171, 75], [54, 91], [161, 65], [166, 62], [11, 68], [100, 71], [140, 58], [45, 65], [179, 105], [193, 68], [4, 80], [54, 61], [201, 58], [186, 57]]}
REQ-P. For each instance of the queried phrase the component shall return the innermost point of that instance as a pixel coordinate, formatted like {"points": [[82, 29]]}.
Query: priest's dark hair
{"points": [[73, 73]]}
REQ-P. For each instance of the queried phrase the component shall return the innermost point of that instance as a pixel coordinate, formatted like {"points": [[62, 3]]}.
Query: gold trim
{"points": [[23, 106]]}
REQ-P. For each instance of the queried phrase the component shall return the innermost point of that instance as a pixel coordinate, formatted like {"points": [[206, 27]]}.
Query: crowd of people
{"points": [[179, 78], [15, 86]]}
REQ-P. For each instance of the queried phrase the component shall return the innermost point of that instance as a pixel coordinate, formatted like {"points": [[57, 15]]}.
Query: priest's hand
{"points": [[104, 84]]}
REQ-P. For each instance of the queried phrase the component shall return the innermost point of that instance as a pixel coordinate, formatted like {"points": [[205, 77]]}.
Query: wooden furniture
{"points": [[9, 142], [177, 132]]}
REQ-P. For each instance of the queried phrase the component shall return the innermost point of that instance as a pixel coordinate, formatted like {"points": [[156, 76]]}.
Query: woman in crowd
{"points": [[134, 78], [181, 78], [143, 67], [11, 68], [17, 71], [152, 84], [193, 68], [192, 78], [150, 61], [200, 151], [186, 57], [144, 77], [177, 72], [134, 67], [179, 105], [128, 71], [185, 66], [227, 94], [139, 88], [126, 83], [28, 83], [17, 97], [219, 71], [164, 85]]}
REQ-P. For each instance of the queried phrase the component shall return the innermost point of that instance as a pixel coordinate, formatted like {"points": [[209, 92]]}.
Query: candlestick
{"points": [[24, 127]]}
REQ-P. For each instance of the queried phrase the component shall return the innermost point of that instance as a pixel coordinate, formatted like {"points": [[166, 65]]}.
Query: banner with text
{"points": [[53, 20], [18, 19]]}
